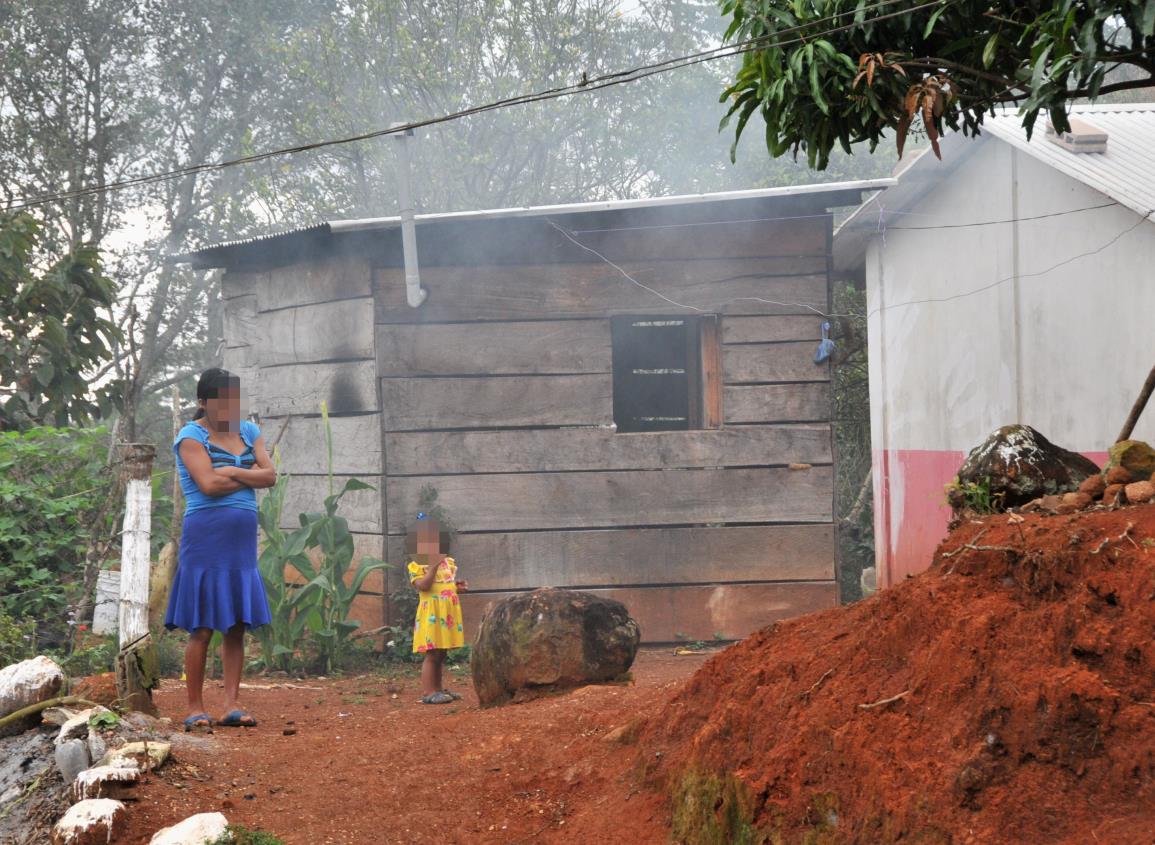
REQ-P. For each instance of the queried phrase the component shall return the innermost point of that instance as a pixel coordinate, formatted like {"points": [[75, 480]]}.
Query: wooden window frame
{"points": [[703, 370]]}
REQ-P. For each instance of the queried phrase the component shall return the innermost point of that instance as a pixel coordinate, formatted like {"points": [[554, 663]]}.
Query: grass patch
{"points": [[236, 834], [714, 810]]}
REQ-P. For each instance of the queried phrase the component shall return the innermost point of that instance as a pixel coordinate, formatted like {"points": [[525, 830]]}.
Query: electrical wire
{"points": [[586, 85], [934, 300]]}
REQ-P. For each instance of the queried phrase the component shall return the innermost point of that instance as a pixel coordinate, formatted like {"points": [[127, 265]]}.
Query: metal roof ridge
{"points": [[615, 205]]}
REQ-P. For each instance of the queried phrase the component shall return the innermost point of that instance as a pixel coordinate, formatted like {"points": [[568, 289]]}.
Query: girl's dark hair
{"points": [[443, 536], [210, 385]]}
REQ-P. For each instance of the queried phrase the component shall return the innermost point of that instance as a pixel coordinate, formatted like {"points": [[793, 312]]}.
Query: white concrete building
{"points": [[1011, 282]]}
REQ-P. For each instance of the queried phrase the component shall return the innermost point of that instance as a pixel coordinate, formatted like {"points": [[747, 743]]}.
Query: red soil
{"points": [[1026, 670], [1022, 673], [369, 765]]}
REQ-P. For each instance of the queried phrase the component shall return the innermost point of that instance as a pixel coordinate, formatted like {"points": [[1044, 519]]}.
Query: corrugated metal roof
{"points": [[204, 257], [1125, 173], [619, 205]]}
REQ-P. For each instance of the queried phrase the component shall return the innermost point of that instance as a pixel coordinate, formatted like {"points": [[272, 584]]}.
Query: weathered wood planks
{"points": [[438, 403], [533, 501], [348, 388], [736, 239], [528, 560], [364, 545], [669, 614], [308, 283], [769, 403], [236, 283], [557, 450], [240, 322], [772, 362], [327, 331], [461, 349], [356, 444], [737, 329], [567, 291], [307, 494]]}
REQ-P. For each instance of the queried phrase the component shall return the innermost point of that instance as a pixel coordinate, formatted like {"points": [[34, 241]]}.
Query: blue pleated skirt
{"points": [[217, 583]]}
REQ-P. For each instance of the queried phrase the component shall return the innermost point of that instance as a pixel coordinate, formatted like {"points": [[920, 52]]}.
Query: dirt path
{"points": [[368, 764]]}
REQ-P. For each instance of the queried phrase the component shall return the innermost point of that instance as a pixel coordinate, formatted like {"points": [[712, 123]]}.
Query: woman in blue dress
{"points": [[221, 462]]}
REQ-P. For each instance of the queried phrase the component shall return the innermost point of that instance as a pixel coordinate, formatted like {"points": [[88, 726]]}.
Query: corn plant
{"points": [[314, 615]]}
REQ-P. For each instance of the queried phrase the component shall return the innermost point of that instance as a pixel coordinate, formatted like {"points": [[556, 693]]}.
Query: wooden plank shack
{"points": [[533, 391]]}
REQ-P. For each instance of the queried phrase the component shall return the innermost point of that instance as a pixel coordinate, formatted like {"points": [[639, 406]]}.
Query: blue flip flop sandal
{"points": [[238, 719], [199, 722]]}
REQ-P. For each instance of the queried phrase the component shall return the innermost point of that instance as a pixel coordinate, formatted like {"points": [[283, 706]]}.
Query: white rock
{"points": [[149, 755], [195, 830], [97, 746], [58, 715], [72, 758], [94, 822], [27, 683], [77, 726], [98, 781]]}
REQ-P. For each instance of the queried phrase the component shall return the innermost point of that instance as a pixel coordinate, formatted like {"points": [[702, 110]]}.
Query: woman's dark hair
{"points": [[211, 383]]}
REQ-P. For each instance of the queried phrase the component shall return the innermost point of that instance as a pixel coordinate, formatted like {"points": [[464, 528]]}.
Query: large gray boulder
{"points": [[1016, 465], [549, 640], [24, 684]]}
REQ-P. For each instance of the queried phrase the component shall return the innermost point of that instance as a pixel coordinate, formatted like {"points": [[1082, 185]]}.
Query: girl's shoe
{"points": [[452, 694], [437, 698]]}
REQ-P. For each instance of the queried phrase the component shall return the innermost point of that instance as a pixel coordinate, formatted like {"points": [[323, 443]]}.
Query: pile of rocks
{"points": [[84, 761], [1128, 479]]}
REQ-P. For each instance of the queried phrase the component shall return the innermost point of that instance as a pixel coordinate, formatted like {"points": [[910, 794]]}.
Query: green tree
{"points": [[835, 73], [53, 330]]}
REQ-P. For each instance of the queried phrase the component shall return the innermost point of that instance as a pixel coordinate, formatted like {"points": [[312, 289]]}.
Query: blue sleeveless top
{"points": [[196, 500]]}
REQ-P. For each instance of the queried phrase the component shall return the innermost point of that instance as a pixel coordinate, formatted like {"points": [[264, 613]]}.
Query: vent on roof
{"points": [[1083, 137]]}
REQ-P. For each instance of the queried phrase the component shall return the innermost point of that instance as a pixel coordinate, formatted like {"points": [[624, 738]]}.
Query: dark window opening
{"points": [[665, 373]]}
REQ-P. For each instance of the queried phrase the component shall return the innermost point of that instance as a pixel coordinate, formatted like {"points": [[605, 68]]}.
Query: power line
{"points": [[999, 222], [976, 224], [934, 300], [586, 85]]}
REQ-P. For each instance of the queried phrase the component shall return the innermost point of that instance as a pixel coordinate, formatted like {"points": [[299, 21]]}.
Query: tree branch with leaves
{"points": [[836, 73]]}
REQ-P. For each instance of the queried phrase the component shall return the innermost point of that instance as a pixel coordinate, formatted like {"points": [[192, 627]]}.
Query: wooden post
{"points": [[164, 570], [136, 667], [1137, 408]]}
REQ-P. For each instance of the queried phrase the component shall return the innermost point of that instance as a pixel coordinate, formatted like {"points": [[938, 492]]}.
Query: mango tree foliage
{"points": [[54, 329], [835, 73]]}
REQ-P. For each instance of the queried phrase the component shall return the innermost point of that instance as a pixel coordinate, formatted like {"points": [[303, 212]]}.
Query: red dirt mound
{"points": [[1007, 695]]}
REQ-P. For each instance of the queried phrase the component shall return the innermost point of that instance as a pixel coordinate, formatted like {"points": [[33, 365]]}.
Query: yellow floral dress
{"points": [[438, 623]]}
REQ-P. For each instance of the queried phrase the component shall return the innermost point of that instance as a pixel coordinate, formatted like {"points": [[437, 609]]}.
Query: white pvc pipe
{"points": [[414, 293]]}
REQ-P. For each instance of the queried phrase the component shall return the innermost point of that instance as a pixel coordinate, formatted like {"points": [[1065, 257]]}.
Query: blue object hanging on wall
{"points": [[826, 347]]}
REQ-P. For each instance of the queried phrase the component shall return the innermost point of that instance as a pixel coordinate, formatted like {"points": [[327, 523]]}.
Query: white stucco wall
{"points": [[1046, 322]]}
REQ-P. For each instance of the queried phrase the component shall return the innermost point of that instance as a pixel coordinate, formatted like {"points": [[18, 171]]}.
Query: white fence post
{"points": [[135, 668]]}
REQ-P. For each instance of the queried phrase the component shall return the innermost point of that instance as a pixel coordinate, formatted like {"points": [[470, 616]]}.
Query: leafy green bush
{"points": [[236, 834], [404, 600], [54, 488], [90, 659], [17, 640]]}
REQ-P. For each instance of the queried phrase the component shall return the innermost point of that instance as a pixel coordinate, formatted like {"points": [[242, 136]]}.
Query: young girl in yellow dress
{"points": [[438, 627]]}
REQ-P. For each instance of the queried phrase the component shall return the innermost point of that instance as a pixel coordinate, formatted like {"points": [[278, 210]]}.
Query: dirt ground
{"points": [[369, 764], [1005, 696]]}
